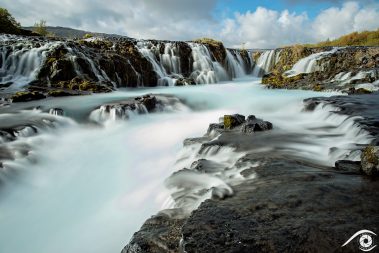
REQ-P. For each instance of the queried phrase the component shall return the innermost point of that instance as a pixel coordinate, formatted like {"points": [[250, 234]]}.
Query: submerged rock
{"points": [[348, 166]]}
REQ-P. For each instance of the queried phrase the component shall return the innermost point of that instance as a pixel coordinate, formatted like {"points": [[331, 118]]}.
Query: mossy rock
{"points": [[276, 80], [59, 93], [26, 96], [185, 81], [216, 47], [78, 84], [318, 87], [232, 121], [370, 160]]}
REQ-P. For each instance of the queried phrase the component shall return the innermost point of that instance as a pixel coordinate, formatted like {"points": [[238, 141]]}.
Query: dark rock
{"points": [[185, 81], [159, 234], [56, 111], [255, 125], [348, 166], [216, 127], [150, 102], [359, 91]]}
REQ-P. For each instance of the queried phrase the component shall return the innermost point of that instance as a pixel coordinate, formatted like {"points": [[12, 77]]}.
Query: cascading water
{"points": [[205, 70], [235, 65], [21, 60], [309, 64], [265, 63]]}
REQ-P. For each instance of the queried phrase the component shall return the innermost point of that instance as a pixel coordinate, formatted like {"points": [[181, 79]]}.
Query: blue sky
{"points": [[257, 24], [227, 8]]}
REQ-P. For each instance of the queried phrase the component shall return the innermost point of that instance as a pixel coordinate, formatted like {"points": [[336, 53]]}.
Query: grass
{"points": [[208, 41], [365, 38]]}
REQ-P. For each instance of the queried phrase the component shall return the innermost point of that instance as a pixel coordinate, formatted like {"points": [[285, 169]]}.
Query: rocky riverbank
{"points": [[286, 203], [350, 69]]}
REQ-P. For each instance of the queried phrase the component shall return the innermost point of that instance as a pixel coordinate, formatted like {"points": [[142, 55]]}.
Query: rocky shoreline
{"points": [[289, 205]]}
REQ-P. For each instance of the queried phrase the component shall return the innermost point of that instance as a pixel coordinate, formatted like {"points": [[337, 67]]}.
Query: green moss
{"points": [[318, 87], [59, 93], [276, 80], [228, 121], [25, 96], [369, 154]]}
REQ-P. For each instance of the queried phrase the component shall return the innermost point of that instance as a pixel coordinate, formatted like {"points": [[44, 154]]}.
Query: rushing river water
{"points": [[87, 188]]}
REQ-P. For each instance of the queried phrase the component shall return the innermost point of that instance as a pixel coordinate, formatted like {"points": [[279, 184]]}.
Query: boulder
{"points": [[148, 101], [255, 125], [370, 160], [232, 121]]}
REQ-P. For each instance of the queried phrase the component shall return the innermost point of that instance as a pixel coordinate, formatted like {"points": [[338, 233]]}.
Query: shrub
{"points": [[40, 28]]}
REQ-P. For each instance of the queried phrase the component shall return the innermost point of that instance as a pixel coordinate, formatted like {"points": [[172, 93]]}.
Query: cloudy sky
{"points": [[258, 23]]}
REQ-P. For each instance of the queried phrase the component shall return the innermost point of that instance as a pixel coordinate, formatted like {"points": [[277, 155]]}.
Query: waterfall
{"points": [[204, 69], [21, 60], [96, 70], [309, 64], [235, 64], [265, 63]]}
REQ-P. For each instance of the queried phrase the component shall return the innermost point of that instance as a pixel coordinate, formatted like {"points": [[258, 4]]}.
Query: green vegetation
{"points": [[366, 38], [7, 23], [41, 29], [87, 36], [208, 41]]}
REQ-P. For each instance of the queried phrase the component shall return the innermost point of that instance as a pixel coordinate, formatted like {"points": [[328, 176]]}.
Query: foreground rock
{"points": [[287, 204]]}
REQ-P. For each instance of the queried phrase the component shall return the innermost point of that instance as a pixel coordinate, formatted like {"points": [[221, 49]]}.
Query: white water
{"points": [[309, 64], [87, 188], [21, 61], [265, 63], [236, 66]]}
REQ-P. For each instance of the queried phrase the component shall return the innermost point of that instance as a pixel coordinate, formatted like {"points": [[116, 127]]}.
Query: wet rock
{"points": [[359, 91], [348, 166], [150, 102], [185, 81], [370, 160], [26, 96], [79, 84], [232, 121], [56, 111], [60, 93], [215, 127], [159, 234], [255, 125]]}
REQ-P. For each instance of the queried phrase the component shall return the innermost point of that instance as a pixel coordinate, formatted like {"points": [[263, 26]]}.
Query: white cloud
{"points": [[266, 28], [185, 20]]}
